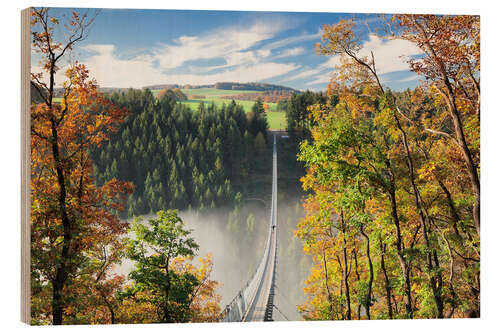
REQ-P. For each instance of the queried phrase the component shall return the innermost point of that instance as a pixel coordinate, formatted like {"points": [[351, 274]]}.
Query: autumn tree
{"points": [[176, 94], [71, 217], [204, 303], [361, 73], [451, 66]]}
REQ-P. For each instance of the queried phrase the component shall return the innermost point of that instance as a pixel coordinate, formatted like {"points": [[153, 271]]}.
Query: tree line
{"points": [[270, 96]]}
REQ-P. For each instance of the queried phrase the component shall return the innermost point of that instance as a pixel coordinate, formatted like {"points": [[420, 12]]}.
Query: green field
{"points": [[216, 92], [247, 105], [213, 95], [276, 120]]}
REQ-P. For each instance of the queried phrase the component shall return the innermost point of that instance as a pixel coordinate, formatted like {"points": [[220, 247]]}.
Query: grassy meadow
{"points": [[276, 120], [212, 95]]}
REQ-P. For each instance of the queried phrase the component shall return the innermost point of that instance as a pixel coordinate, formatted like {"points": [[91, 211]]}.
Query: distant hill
{"points": [[252, 86], [173, 86], [249, 86], [256, 86], [58, 92]]}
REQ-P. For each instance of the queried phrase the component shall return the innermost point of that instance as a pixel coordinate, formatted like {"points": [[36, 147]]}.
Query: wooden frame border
{"points": [[25, 166]]}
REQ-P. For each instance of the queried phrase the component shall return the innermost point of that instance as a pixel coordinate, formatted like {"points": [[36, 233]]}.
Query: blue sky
{"points": [[135, 48]]}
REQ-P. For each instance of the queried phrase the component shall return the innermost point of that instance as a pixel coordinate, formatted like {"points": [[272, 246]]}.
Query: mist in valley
{"points": [[236, 240]]}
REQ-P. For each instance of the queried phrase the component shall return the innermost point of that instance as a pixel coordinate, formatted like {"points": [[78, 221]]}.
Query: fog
{"points": [[236, 239]]}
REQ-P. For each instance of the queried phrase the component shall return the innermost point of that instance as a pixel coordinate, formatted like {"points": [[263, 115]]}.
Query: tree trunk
{"points": [[57, 305], [346, 271], [341, 284], [370, 281], [455, 218], [386, 279], [330, 298], [400, 245], [62, 269], [434, 277], [166, 310], [464, 148], [358, 279], [450, 279]]}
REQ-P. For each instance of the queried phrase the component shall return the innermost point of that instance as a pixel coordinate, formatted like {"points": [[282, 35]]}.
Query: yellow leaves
{"points": [[205, 301], [426, 172], [58, 241], [336, 37], [99, 121]]}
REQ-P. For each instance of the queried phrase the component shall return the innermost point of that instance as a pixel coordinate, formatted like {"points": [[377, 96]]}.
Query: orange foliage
{"points": [[72, 219]]}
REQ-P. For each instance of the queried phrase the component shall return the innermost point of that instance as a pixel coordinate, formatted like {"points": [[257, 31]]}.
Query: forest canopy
{"points": [[179, 158]]}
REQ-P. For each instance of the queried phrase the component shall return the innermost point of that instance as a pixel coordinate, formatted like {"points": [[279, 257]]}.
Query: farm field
{"points": [[276, 120], [216, 92], [213, 95]]}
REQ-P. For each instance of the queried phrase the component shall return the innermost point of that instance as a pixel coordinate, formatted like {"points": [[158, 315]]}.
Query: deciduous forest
{"points": [[393, 218]]}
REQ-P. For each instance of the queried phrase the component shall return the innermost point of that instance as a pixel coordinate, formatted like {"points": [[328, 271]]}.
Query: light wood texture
{"points": [[25, 165]]}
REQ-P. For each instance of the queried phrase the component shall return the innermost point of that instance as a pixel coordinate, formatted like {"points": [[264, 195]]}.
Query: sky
{"points": [[136, 48]]}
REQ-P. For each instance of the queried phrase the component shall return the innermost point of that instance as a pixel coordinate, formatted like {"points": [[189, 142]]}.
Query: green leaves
{"points": [[158, 242]]}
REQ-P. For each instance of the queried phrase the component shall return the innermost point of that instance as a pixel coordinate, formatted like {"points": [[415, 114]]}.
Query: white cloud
{"points": [[110, 71], [390, 56], [327, 66], [244, 50], [306, 73], [250, 73], [320, 79], [293, 40], [238, 58], [240, 64], [100, 48], [290, 52], [227, 43], [230, 44], [410, 78], [264, 53]]}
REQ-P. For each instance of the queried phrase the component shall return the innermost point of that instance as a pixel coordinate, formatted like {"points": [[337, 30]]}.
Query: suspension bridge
{"points": [[255, 301]]}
